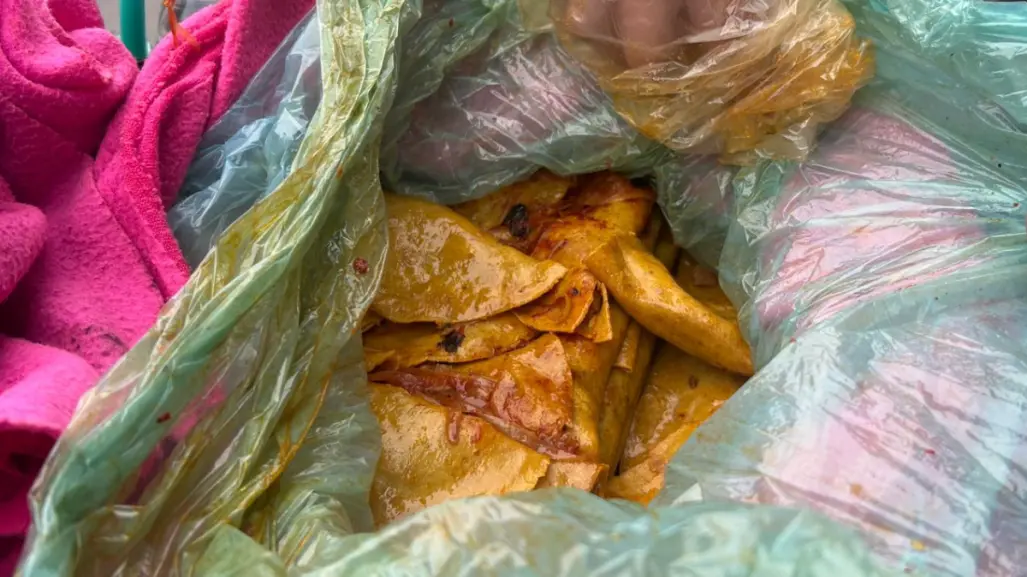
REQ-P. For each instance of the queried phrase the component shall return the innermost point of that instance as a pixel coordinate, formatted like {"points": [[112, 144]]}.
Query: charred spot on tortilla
{"points": [[693, 381], [575, 292], [517, 221], [452, 340]]}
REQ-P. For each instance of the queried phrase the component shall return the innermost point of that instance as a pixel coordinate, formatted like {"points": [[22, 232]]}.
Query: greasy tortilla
{"points": [[515, 215], [398, 346], [646, 289], [441, 268], [563, 309], [591, 363], [598, 326], [605, 207], [621, 398], [680, 393], [702, 283], [578, 474], [613, 200], [628, 355], [371, 319], [632, 366], [432, 454], [527, 392]]}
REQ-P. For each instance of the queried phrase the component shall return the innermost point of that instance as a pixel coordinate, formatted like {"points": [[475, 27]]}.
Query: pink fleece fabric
{"points": [[92, 151]]}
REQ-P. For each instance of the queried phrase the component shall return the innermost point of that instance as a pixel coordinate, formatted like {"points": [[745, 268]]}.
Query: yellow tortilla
{"points": [[528, 392], [646, 289], [611, 199], [371, 319], [432, 454], [441, 268], [564, 308], [598, 327], [606, 206], [398, 346], [374, 359], [628, 355], [591, 363], [620, 399], [640, 484], [632, 367], [598, 230], [578, 474], [515, 215], [680, 393]]}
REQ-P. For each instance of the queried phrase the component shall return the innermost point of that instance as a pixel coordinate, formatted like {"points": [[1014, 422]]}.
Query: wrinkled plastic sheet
{"points": [[528, 105], [250, 150], [880, 284], [741, 78]]}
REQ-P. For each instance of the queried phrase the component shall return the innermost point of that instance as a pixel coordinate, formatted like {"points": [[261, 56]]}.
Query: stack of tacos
{"points": [[511, 345]]}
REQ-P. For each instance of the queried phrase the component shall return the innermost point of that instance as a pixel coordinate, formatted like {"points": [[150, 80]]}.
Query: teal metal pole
{"points": [[133, 28]]}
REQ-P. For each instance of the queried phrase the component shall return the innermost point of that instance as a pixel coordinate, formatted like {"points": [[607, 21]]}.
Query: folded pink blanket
{"points": [[86, 256]]}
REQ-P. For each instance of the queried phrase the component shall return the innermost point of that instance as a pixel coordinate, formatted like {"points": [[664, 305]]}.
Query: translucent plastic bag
{"points": [[740, 77], [250, 150], [235, 438], [881, 285], [528, 105]]}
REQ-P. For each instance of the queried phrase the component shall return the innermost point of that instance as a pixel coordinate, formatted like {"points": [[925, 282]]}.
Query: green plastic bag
{"points": [[235, 438]]}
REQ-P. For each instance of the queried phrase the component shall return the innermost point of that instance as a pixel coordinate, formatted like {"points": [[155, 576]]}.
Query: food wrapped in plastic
{"points": [[429, 456], [238, 436], [744, 78], [558, 374]]}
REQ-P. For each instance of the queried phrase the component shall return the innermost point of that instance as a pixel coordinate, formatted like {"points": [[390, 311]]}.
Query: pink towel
{"points": [[180, 92], [86, 256]]}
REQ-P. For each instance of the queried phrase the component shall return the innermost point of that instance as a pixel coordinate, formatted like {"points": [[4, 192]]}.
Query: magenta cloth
{"points": [[86, 256]]}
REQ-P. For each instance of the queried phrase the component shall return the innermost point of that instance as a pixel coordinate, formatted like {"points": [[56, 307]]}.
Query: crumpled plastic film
{"points": [[250, 150], [697, 198], [446, 34], [248, 153], [744, 78], [881, 286], [969, 41], [569, 533], [527, 104]]}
